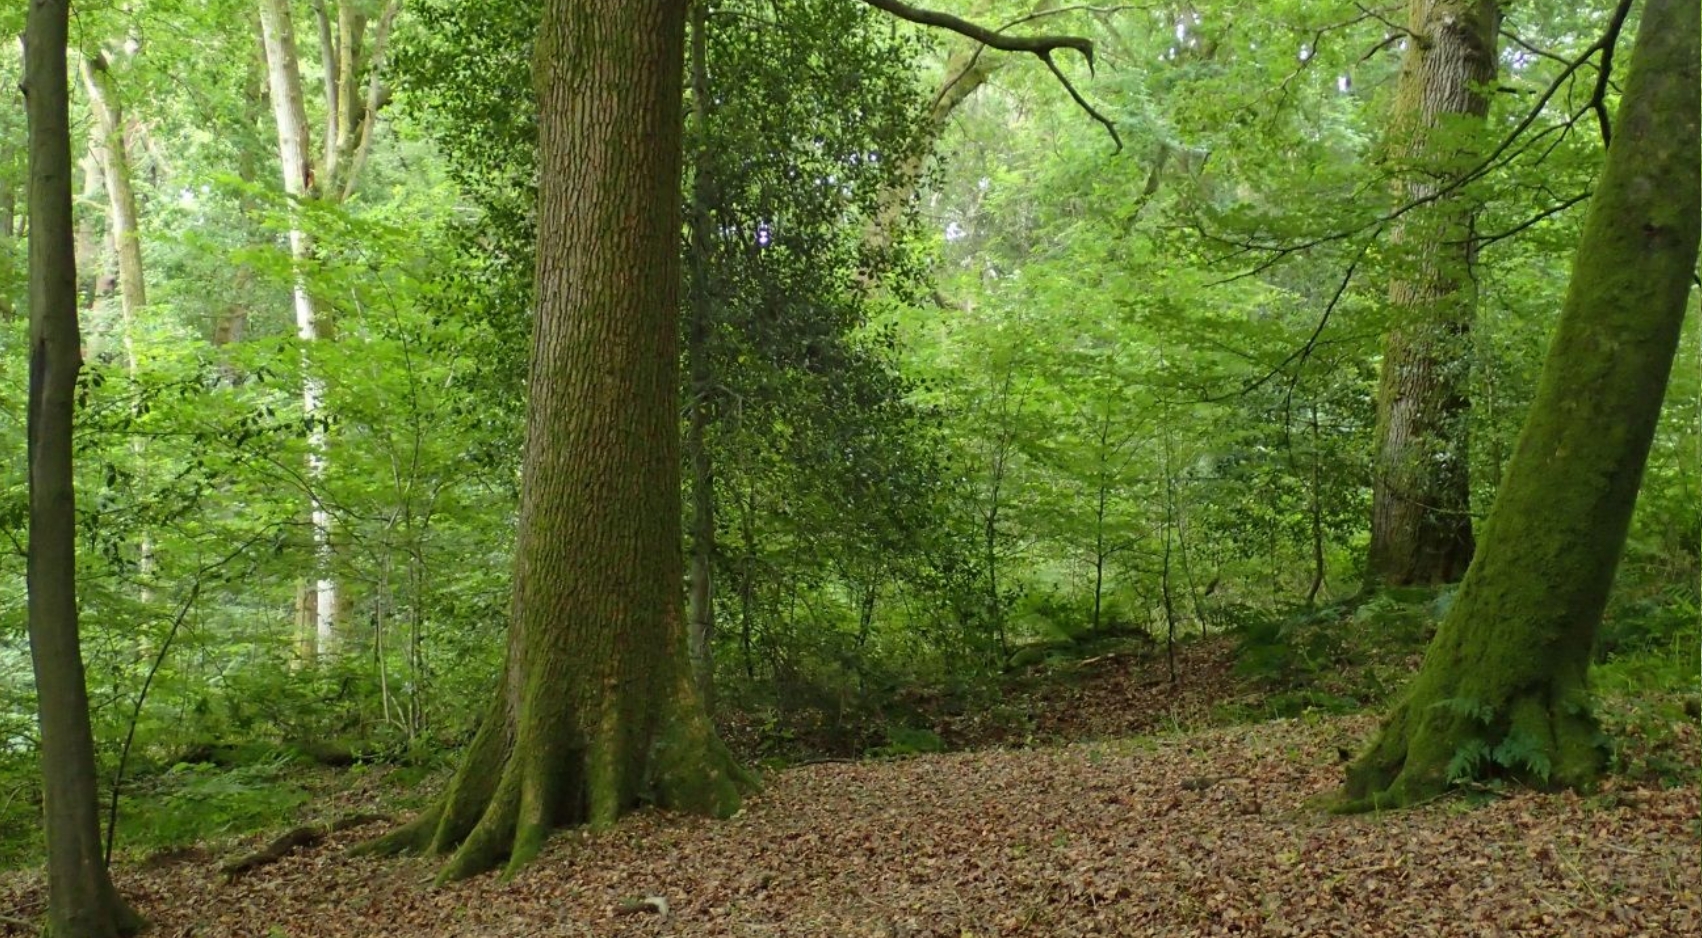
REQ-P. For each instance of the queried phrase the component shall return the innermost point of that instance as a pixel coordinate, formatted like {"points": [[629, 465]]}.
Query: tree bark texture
{"points": [[597, 709], [700, 634], [1421, 530], [82, 902], [1503, 688]]}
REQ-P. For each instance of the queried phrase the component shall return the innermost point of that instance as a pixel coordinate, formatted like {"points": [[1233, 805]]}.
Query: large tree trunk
{"points": [[1503, 687], [82, 902], [700, 633], [597, 708], [1421, 530]]}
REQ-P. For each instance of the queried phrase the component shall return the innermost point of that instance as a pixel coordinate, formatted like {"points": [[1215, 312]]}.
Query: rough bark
{"points": [[1421, 530], [700, 635], [1503, 688], [82, 902], [597, 710]]}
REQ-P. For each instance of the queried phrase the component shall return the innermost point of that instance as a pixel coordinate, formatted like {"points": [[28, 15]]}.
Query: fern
{"points": [[1523, 751], [1468, 761]]}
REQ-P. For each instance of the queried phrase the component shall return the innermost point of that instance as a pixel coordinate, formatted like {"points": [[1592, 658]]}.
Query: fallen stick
{"points": [[291, 841]]}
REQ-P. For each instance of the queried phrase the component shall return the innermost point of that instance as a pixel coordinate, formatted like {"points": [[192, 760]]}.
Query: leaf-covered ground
{"points": [[1197, 834]]}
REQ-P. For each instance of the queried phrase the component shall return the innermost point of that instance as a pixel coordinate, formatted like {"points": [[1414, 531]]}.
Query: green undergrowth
{"points": [[1334, 659], [1308, 663], [224, 794], [1649, 703]]}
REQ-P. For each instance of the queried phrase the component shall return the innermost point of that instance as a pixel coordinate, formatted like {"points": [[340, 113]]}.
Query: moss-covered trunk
{"points": [[597, 710], [1503, 687], [1421, 531]]}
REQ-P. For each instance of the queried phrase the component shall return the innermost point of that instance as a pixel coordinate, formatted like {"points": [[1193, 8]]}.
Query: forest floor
{"points": [[1203, 832]]}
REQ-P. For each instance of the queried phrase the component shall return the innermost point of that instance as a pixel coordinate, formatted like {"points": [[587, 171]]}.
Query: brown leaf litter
{"points": [[1199, 834]]}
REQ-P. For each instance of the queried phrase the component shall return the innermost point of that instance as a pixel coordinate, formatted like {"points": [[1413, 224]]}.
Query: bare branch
{"points": [[1483, 241], [1042, 47], [1598, 98]]}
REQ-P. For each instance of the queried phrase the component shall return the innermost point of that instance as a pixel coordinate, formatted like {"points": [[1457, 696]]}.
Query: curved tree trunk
{"points": [[1421, 529], [82, 902], [1503, 690], [597, 709]]}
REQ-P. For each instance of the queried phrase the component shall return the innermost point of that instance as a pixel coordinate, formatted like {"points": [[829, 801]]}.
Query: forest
{"points": [[850, 468]]}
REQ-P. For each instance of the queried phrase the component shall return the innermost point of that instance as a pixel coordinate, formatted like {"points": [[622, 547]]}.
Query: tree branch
{"points": [[1598, 97], [1041, 47]]}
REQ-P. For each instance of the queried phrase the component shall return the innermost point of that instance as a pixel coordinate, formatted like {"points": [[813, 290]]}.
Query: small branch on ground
{"points": [[291, 841]]}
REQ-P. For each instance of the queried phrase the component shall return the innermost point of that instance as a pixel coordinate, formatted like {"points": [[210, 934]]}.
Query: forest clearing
{"points": [[845, 467]]}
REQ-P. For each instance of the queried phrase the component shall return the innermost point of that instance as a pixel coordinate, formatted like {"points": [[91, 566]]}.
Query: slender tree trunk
{"points": [[316, 600], [82, 902], [108, 135], [8, 219], [123, 226], [1503, 688], [1315, 509], [597, 708], [1421, 508], [91, 259], [701, 608]]}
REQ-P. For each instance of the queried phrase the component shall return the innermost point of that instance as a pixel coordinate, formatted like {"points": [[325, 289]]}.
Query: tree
{"points": [[597, 709], [1421, 530], [1503, 686], [349, 125], [82, 902]]}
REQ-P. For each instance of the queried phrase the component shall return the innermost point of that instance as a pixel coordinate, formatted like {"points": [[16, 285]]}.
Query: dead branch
{"points": [[1042, 47]]}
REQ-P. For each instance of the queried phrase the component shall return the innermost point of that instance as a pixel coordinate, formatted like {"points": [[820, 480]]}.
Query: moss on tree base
{"points": [[493, 817], [1431, 743]]}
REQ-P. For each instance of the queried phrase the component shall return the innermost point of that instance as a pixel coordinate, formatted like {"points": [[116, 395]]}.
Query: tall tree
{"points": [[82, 902], [350, 119], [1503, 687], [112, 152], [1421, 530], [113, 155], [597, 708]]}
